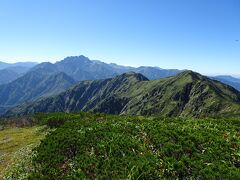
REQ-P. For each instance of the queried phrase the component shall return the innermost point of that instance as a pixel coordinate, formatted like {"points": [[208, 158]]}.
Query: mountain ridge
{"points": [[29, 64], [33, 85], [82, 68], [41, 81], [186, 94], [232, 81], [11, 72]]}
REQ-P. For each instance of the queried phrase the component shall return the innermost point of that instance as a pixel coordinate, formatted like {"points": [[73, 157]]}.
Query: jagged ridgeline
{"points": [[186, 94]]}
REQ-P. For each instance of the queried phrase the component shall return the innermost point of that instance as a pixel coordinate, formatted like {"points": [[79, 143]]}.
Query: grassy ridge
{"points": [[187, 94], [86, 145]]}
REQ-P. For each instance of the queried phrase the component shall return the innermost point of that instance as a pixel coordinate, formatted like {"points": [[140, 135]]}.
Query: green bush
{"points": [[91, 146]]}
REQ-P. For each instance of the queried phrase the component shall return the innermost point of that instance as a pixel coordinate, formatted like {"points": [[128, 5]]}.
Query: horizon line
{"points": [[125, 65]]}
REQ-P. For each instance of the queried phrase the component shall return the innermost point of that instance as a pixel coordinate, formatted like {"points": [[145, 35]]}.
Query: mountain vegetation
{"points": [[82, 68], [101, 121], [16, 144], [186, 94], [20, 85], [22, 82], [99, 146], [33, 85]]}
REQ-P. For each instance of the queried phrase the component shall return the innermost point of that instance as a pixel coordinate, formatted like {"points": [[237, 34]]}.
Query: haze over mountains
{"points": [[32, 83], [232, 81], [82, 68], [11, 71], [4, 65]]}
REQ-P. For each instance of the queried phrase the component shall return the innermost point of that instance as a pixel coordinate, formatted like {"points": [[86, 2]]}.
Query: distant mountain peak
{"points": [[192, 74], [76, 58], [45, 67], [189, 73], [133, 75], [43, 64], [27, 64], [227, 76], [149, 67]]}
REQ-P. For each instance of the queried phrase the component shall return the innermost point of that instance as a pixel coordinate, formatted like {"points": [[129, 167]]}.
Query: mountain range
{"points": [[21, 83], [82, 68], [232, 81], [186, 94], [4, 65], [33, 85], [31, 82], [10, 72]]}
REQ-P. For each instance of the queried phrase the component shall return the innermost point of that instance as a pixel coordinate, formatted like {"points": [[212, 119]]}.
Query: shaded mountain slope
{"points": [[186, 94], [7, 76], [12, 73], [81, 68], [234, 82], [33, 85]]}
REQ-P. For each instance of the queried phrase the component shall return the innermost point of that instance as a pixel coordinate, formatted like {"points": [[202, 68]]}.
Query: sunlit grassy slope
{"points": [[90, 146], [187, 94], [12, 140], [99, 146]]}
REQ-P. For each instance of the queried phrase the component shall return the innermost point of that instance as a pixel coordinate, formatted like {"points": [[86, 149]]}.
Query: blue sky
{"points": [[188, 34]]}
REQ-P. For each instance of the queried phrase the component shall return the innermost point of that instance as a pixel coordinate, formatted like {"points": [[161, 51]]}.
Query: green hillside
{"points": [[99, 146], [186, 94], [31, 86]]}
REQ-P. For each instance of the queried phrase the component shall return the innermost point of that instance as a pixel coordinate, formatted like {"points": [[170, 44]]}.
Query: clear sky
{"points": [[202, 35]]}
